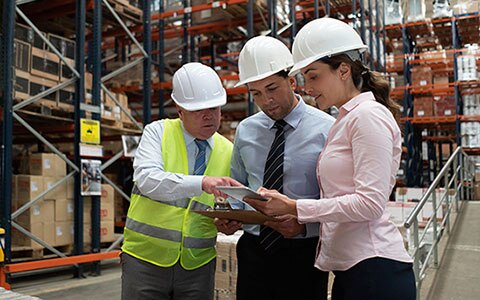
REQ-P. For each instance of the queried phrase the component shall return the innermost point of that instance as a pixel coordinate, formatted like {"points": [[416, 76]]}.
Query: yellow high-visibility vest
{"points": [[162, 232]]}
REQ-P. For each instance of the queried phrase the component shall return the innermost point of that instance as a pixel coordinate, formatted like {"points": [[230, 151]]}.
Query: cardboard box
{"points": [[421, 76], [444, 105], [49, 232], [423, 107], [64, 210], [476, 191], [21, 240], [222, 271], [41, 211], [47, 164], [107, 232], [28, 188], [71, 187], [106, 205], [63, 233], [60, 192]]}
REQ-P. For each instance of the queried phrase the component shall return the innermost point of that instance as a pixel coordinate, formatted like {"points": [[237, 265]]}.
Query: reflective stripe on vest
{"points": [[182, 203], [162, 232]]}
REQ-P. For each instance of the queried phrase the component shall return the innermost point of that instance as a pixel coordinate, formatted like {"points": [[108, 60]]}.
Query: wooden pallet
{"points": [[124, 9], [26, 253]]}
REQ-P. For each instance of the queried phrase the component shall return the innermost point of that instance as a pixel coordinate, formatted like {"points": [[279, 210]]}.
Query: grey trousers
{"points": [[144, 281]]}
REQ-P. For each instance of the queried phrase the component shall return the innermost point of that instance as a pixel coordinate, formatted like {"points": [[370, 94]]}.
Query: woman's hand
{"points": [[277, 205]]}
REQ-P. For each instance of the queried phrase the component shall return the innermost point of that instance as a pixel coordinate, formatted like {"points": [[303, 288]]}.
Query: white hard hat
{"points": [[262, 56], [321, 38], [196, 87]]}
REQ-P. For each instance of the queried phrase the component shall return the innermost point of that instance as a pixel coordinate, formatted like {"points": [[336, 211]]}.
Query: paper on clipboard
{"points": [[240, 192], [244, 216]]}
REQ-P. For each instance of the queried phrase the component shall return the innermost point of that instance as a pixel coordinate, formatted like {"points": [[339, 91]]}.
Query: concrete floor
{"points": [[61, 285], [458, 276]]}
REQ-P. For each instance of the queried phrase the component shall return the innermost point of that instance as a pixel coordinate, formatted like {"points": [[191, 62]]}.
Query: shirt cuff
{"points": [[194, 182], [306, 211]]}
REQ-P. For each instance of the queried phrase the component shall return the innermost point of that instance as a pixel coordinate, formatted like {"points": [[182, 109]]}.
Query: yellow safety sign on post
{"points": [[90, 131]]}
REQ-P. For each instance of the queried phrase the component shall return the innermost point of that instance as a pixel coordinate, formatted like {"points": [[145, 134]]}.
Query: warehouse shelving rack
{"points": [[154, 29], [449, 34], [221, 32], [11, 112]]}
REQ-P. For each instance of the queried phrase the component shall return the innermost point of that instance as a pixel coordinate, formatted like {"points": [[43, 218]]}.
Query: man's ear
{"points": [[179, 112], [293, 83]]}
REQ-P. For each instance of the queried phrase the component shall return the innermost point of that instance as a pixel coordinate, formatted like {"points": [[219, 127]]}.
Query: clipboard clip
{"points": [[221, 204]]}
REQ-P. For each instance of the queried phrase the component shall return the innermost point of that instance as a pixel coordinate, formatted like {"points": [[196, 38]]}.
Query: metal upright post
{"points": [[185, 35], [79, 98], [147, 63], [250, 34], [458, 99], [192, 49], [96, 101], [271, 18], [370, 36], [362, 21], [161, 60], [384, 33], [213, 57], [316, 13], [377, 34], [293, 21], [8, 18]]}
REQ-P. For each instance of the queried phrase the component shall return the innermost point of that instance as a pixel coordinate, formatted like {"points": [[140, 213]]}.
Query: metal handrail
{"points": [[414, 214], [452, 181]]}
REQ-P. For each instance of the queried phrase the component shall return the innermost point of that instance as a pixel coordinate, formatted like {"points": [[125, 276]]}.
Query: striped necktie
{"points": [[200, 164], [273, 179]]}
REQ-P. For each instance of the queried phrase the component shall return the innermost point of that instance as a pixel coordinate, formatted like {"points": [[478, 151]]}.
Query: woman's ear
{"points": [[345, 71]]}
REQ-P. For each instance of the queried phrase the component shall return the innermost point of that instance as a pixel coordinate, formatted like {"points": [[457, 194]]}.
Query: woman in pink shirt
{"points": [[356, 170]]}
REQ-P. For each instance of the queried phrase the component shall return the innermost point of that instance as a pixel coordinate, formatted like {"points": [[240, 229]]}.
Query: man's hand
{"points": [[227, 226], [287, 225], [209, 184]]}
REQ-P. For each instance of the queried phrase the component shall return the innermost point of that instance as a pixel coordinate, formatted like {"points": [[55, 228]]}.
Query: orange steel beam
{"points": [[174, 13], [57, 262]]}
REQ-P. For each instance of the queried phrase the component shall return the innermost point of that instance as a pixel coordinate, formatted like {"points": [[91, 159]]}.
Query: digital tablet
{"points": [[240, 192]]}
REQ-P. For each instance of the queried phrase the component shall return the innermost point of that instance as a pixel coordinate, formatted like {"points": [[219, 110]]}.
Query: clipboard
{"points": [[244, 216]]}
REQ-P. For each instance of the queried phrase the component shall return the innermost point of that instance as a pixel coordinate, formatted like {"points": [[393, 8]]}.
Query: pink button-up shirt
{"points": [[356, 172]]}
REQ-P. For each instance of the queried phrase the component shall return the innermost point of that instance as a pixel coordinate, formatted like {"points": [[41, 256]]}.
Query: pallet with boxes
{"points": [[51, 218], [38, 69]]}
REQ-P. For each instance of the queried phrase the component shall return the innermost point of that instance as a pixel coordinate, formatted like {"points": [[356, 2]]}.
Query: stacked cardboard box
{"points": [[444, 105], [106, 217], [49, 217], [226, 272], [423, 107], [421, 76]]}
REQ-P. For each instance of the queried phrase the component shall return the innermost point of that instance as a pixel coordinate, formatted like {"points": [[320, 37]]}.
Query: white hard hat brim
{"points": [[219, 101], [297, 67], [258, 77]]}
